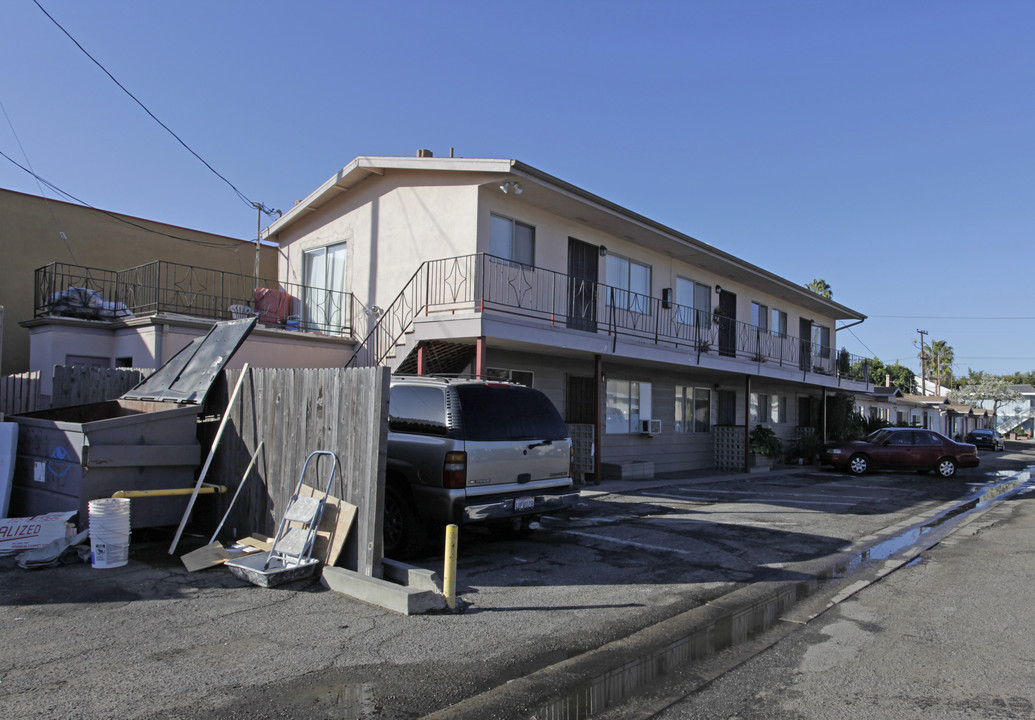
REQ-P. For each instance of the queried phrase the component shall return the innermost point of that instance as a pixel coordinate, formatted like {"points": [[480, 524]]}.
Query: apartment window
{"points": [[821, 341], [693, 409], [766, 408], [323, 279], [631, 283], [694, 300], [521, 377], [760, 316], [512, 240], [626, 402], [778, 323], [760, 409]]}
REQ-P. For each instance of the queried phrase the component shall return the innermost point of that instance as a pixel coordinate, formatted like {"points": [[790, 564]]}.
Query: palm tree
{"points": [[820, 287], [938, 356]]}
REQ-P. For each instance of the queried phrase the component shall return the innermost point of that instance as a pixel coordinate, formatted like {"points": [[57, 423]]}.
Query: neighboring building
{"points": [[656, 347], [883, 402], [36, 232], [1018, 416]]}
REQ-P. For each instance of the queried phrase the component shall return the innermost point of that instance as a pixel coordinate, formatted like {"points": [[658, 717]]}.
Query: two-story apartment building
{"points": [[656, 347]]}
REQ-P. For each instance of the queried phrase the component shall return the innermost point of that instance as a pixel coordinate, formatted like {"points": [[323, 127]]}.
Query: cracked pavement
{"points": [[150, 640]]}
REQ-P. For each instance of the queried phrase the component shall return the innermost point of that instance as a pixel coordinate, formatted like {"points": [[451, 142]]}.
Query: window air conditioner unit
{"points": [[650, 427]]}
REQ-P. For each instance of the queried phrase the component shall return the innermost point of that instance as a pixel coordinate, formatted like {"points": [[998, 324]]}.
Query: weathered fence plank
{"points": [[296, 411], [20, 393], [80, 385]]}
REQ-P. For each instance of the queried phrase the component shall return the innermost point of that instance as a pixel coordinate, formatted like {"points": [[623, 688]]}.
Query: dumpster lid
{"points": [[188, 374]]}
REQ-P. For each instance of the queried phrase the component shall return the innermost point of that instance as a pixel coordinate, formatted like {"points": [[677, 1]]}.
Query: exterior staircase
{"points": [[1006, 423], [436, 286]]}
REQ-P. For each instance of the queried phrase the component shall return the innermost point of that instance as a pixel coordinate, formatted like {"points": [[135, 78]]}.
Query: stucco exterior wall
{"points": [[391, 224], [30, 228], [151, 344]]}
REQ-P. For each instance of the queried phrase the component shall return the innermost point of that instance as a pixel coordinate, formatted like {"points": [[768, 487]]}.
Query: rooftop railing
{"points": [[76, 291]]}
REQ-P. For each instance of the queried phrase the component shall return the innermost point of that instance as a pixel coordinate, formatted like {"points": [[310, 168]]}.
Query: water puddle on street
{"points": [[618, 685], [1004, 483]]}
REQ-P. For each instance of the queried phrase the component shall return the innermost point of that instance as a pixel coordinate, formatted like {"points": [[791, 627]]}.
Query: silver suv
{"points": [[466, 451]]}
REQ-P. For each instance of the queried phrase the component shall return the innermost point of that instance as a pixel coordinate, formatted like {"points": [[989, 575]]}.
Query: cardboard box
{"points": [[17, 534]]}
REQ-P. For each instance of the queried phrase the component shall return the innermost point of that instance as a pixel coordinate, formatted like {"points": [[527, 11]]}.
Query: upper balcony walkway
{"points": [[482, 283]]}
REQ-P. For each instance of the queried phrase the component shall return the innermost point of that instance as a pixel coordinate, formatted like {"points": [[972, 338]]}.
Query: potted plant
{"points": [[764, 446]]}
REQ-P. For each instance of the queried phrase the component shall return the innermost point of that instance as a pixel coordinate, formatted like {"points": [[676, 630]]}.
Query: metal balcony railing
{"points": [[67, 290], [483, 283]]}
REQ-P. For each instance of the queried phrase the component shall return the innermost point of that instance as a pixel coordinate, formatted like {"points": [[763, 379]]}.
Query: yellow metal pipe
{"points": [[206, 489], [449, 572]]}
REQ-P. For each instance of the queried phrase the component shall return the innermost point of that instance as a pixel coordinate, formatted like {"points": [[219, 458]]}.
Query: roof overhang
{"points": [[562, 198]]}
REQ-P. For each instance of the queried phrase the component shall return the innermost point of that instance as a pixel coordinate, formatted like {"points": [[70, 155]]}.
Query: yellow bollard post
{"points": [[449, 572]]}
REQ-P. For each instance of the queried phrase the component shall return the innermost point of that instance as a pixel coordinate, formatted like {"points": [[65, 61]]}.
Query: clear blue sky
{"points": [[886, 147]]}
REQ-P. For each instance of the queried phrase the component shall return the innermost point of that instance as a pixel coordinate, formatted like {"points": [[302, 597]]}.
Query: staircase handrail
{"points": [[1006, 423], [388, 313]]}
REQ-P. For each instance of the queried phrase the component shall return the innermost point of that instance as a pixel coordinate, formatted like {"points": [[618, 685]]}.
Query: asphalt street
{"points": [[948, 636], [151, 640]]}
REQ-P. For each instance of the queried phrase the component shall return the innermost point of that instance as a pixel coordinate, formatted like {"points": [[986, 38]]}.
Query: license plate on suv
{"points": [[524, 503]]}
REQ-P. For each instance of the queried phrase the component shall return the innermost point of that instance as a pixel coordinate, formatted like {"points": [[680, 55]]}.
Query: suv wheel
{"points": [[403, 531]]}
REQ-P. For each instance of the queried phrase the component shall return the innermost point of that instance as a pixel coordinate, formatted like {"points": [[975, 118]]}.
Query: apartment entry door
{"points": [[583, 261], [727, 323], [805, 344]]}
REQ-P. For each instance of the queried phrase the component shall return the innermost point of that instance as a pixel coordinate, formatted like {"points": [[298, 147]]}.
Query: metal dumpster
{"points": [[144, 440]]}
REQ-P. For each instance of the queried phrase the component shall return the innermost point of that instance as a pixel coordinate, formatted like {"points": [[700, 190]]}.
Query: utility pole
{"points": [[260, 209], [923, 371]]}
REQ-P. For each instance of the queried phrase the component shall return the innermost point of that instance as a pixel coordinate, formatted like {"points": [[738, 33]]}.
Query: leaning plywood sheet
{"points": [[334, 526]]}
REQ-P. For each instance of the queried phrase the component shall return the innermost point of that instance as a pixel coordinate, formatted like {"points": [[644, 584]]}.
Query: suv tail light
{"points": [[454, 471], [571, 461]]}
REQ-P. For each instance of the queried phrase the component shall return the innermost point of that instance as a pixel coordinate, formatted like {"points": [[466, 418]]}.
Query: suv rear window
{"points": [[417, 409], [506, 412]]}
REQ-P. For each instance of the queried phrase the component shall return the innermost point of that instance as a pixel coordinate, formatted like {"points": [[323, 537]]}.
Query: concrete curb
{"points": [[601, 678]]}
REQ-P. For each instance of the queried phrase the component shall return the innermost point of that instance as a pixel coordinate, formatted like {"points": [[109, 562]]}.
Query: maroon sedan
{"points": [[902, 449]]}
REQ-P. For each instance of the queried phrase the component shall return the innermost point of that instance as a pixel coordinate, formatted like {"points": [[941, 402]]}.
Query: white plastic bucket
{"points": [[109, 532]]}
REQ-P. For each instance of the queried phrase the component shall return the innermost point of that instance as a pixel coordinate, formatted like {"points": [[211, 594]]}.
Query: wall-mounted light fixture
{"points": [[666, 297], [511, 187], [603, 250], [718, 288]]}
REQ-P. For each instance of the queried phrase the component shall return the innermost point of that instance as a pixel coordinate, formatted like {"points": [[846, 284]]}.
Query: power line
{"points": [[59, 191], [241, 195], [46, 201]]}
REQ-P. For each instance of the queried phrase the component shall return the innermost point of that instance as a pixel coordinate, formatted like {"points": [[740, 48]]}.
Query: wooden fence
{"points": [[79, 385], [20, 393], [72, 385], [295, 411]]}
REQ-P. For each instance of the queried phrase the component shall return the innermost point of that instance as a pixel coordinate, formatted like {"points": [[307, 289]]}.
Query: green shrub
{"points": [[763, 441]]}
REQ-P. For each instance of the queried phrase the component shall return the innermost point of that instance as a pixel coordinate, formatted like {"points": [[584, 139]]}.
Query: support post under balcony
{"points": [[598, 430], [747, 423], [479, 357]]}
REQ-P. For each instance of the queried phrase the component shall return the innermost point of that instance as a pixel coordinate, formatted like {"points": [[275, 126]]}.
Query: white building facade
{"points": [[656, 347]]}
